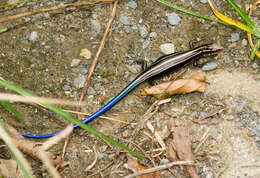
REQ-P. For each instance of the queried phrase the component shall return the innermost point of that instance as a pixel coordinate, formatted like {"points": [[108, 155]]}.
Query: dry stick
{"points": [[158, 168], [26, 14], [93, 65]]}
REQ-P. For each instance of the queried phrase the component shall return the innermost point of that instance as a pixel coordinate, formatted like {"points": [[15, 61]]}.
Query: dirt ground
{"points": [[43, 66]]}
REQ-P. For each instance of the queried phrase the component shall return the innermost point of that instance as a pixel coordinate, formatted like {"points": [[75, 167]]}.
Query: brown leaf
{"points": [[135, 165], [9, 168], [182, 145], [195, 83]]}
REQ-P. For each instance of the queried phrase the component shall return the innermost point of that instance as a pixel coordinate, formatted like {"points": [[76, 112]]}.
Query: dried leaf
{"points": [[195, 83], [135, 165], [182, 145], [9, 168]]}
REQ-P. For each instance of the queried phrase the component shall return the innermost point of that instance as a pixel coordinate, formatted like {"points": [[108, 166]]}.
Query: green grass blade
{"points": [[12, 109], [14, 151], [72, 119], [255, 49], [190, 12], [13, 4], [244, 16]]}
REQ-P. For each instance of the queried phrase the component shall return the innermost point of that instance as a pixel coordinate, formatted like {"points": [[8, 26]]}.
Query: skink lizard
{"points": [[163, 64]]}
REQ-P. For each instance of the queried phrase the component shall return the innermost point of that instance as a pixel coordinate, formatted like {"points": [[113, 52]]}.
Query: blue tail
{"points": [[109, 105]]}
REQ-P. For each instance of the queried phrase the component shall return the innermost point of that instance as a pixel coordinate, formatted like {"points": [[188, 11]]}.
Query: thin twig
{"points": [[94, 63], [103, 117], [203, 139], [26, 14], [158, 168], [94, 162]]}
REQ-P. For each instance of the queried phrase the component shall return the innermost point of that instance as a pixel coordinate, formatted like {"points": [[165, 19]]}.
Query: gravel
{"points": [[95, 26], [203, 1], [173, 18], [153, 35], [143, 31], [127, 29], [32, 36], [75, 62], [209, 66], [244, 42], [84, 71], [91, 91], [234, 37], [124, 20], [167, 48], [146, 43], [132, 4], [79, 82], [134, 68]]}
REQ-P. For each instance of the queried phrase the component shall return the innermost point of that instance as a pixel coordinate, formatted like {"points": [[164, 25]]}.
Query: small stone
{"points": [[79, 82], [84, 71], [254, 65], [143, 31], [173, 18], [167, 48], [127, 29], [209, 66], [134, 68], [203, 1], [32, 36], [146, 43], [153, 35], [95, 26], [91, 91], [66, 87], [100, 155], [164, 161], [244, 42], [97, 86], [132, 4], [124, 20], [85, 53], [75, 62], [235, 37]]}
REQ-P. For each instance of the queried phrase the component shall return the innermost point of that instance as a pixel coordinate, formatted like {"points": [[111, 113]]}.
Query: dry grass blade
{"points": [[26, 14], [11, 145], [32, 99]]}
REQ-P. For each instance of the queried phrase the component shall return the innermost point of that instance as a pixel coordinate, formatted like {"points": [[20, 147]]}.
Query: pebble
{"points": [[146, 43], [134, 68], [132, 4], [173, 18], [97, 86], [75, 62], [91, 91], [209, 66], [100, 155], [84, 71], [85, 53], [203, 1], [167, 48], [79, 82], [244, 42], [32, 36], [254, 65], [124, 20], [153, 35], [127, 29], [164, 161], [143, 31], [235, 37], [95, 26]]}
